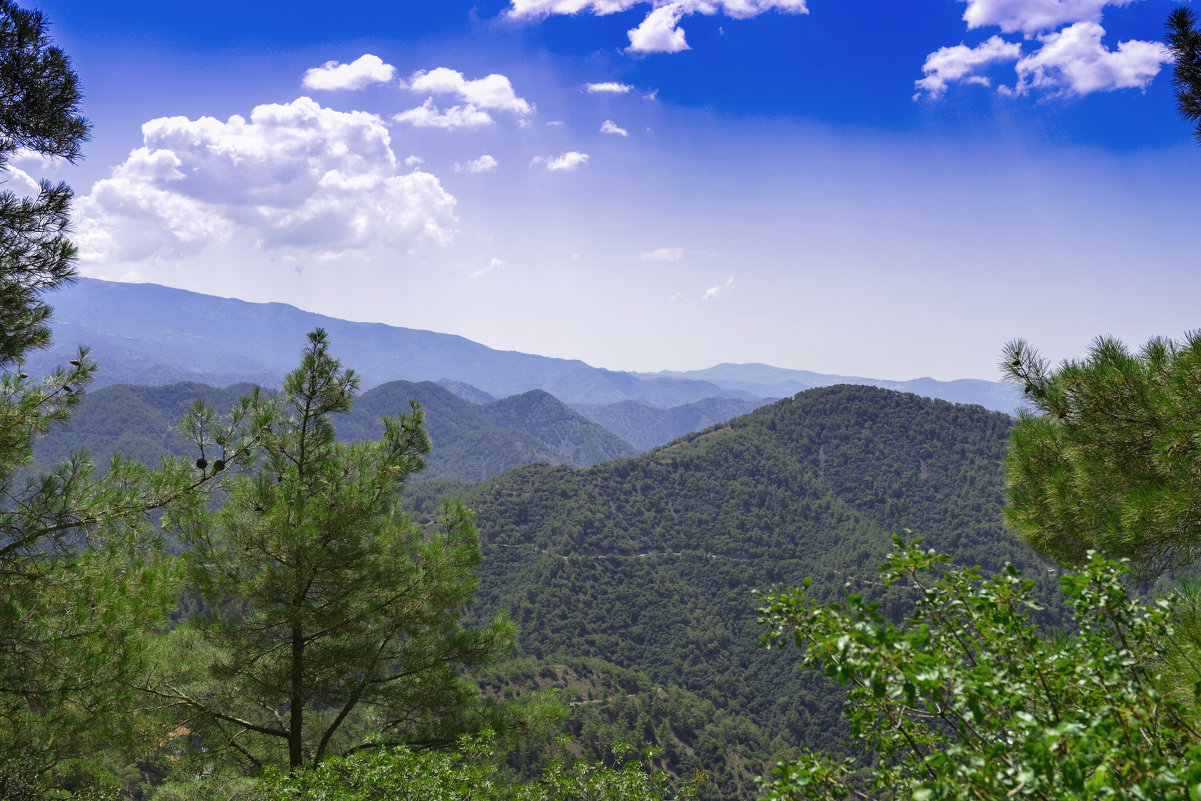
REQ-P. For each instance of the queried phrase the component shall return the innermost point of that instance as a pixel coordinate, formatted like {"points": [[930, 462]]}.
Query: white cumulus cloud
{"points": [[608, 87], [1032, 16], [659, 31], [610, 127], [1069, 56], [294, 177], [428, 115], [484, 163], [1075, 61], [493, 92], [544, 8], [363, 71], [663, 254], [959, 64], [562, 163]]}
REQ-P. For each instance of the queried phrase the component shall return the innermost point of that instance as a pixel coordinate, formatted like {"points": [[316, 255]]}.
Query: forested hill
{"points": [[470, 442], [473, 442], [645, 426], [651, 562]]}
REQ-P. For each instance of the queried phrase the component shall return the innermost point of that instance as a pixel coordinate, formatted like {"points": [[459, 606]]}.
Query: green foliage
{"points": [[39, 99], [650, 563], [470, 442], [81, 582], [693, 740], [473, 442], [1112, 461], [469, 774], [646, 427], [1185, 43], [327, 614], [964, 699]]}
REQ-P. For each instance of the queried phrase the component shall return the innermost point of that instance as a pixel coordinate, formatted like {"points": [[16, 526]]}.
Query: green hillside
{"points": [[632, 581], [471, 442], [646, 427], [651, 562]]}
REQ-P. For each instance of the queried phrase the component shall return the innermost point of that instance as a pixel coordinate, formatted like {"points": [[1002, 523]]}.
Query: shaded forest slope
{"points": [[651, 562], [470, 442]]}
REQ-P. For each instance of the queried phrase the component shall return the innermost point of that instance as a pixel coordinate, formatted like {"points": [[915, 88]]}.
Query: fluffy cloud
{"points": [[1070, 59], [959, 63], [544, 8], [608, 87], [738, 9], [294, 177], [1032, 16], [477, 98], [484, 163], [663, 254], [363, 71], [428, 115], [659, 31], [1075, 61], [493, 92], [21, 183], [562, 163], [715, 290], [610, 127]]}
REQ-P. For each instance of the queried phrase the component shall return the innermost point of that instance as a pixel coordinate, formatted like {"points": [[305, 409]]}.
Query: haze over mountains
{"points": [[150, 334], [471, 442], [631, 577]]}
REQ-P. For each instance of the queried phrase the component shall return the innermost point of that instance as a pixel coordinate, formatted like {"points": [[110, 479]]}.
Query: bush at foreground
{"points": [[469, 774], [965, 699]]}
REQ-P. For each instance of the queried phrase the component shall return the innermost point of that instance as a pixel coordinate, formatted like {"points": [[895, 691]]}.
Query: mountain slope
{"points": [[145, 333], [646, 427], [650, 562], [470, 442], [148, 334]]}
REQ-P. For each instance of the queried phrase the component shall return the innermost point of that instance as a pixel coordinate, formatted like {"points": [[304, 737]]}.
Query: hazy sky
{"points": [[870, 187]]}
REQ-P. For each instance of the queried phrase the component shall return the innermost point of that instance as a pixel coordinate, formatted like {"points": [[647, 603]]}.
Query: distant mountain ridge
{"points": [[151, 334], [646, 427], [470, 442], [767, 381]]}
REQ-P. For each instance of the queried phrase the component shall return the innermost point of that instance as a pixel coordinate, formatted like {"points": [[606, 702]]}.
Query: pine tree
{"points": [[331, 622], [1110, 458], [1184, 41], [82, 581]]}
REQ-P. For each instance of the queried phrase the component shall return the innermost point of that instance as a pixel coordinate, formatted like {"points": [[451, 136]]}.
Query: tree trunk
{"points": [[296, 701]]}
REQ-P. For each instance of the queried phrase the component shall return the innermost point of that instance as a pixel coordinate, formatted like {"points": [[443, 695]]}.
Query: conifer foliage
{"points": [[1110, 456], [80, 581], [1184, 40], [329, 621]]}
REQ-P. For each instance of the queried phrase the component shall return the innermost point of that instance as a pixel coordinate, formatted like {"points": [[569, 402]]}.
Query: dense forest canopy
{"points": [[269, 611]]}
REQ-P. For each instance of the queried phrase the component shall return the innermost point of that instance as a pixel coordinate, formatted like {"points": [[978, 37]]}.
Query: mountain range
{"points": [[150, 334], [651, 563], [470, 441], [632, 580]]}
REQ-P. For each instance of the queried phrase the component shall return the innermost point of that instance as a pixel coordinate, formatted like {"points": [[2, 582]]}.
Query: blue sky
{"points": [[874, 188]]}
